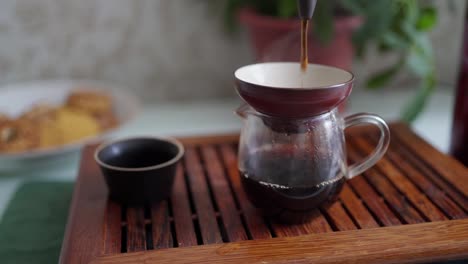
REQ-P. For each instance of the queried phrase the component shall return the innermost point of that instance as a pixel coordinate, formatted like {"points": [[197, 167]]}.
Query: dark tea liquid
{"points": [[304, 56], [266, 187]]}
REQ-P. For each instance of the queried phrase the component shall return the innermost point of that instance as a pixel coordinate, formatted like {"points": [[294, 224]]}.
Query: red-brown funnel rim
{"points": [[288, 75]]}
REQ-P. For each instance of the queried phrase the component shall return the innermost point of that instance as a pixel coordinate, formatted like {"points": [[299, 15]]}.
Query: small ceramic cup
{"points": [[141, 169]]}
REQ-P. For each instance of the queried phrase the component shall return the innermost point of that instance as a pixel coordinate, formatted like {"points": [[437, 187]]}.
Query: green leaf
{"points": [[417, 104], [381, 78], [287, 8], [411, 10], [418, 64], [230, 10], [353, 6], [377, 21], [394, 41], [323, 21], [420, 58], [427, 19]]}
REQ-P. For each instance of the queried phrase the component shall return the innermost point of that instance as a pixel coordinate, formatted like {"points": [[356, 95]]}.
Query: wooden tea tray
{"points": [[411, 207]]}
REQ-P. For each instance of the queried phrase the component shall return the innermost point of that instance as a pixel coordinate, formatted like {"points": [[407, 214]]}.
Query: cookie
{"points": [[18, 136], [39, 113], [92, 102], [50, 134], [75, 125]]}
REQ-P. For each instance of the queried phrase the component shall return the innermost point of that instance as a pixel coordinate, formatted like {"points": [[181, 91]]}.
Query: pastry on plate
{"points": [[84, 114]]}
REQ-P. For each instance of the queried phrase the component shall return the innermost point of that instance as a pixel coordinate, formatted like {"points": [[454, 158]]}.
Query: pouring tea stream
{"points": [[306, 10]]}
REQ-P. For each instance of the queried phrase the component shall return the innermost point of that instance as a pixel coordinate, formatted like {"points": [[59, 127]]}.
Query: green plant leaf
{"points": [[420, 58], [265, 7], [427, 19], [394, 41], [230, 10], [411, 10], [417, 104], [377, 21], [353, 6], [287, 8], [381, 78], [323, 21], [418, 64]]}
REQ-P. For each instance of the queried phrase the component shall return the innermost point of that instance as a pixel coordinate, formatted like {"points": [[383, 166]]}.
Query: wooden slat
{"points": [[161, 227], [113, 229], [452, 170], [359, 186], [371, 198], [136, 237], [201, 196], [453, 193], [223, 195], [374, 202], [406, 187], [317, 224], [255, 224], [437, 196], [356, 208], [339, 218], [181, 211], [83, 240], [400, 244], [398, 202]]}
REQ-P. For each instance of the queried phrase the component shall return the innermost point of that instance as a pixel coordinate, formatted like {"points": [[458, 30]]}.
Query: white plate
{"points": [[17, 98]]}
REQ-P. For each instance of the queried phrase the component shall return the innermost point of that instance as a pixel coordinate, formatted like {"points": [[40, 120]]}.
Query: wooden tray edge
{"points": [[90, 217], [414, 243]]}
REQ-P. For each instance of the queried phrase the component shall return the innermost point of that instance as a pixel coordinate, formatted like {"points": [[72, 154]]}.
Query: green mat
{"points": [[34, 223]]}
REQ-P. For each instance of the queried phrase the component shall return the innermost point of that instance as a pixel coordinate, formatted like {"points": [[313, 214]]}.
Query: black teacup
{"points": [[139, 170]]}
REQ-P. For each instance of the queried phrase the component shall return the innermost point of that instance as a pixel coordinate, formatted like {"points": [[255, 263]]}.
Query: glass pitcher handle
{"points": [[380, 149]]}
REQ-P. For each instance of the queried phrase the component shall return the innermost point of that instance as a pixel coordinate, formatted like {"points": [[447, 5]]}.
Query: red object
{"points": [[459, 144], [275, 39], [286, 104], [281, 101]]}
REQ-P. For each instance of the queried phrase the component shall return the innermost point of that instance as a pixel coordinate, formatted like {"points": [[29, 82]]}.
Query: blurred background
{"points": [[178, 57], [163, 50]]}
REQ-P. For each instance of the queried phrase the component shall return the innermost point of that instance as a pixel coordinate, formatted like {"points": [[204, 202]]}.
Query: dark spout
{"points": [[306, 8]]}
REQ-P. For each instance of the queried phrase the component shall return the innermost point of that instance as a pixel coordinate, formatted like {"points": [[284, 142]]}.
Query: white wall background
{"points": [[161, 49]]}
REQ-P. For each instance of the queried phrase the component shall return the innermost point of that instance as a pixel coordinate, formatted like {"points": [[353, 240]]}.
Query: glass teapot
{"points": [[289, 167]]}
